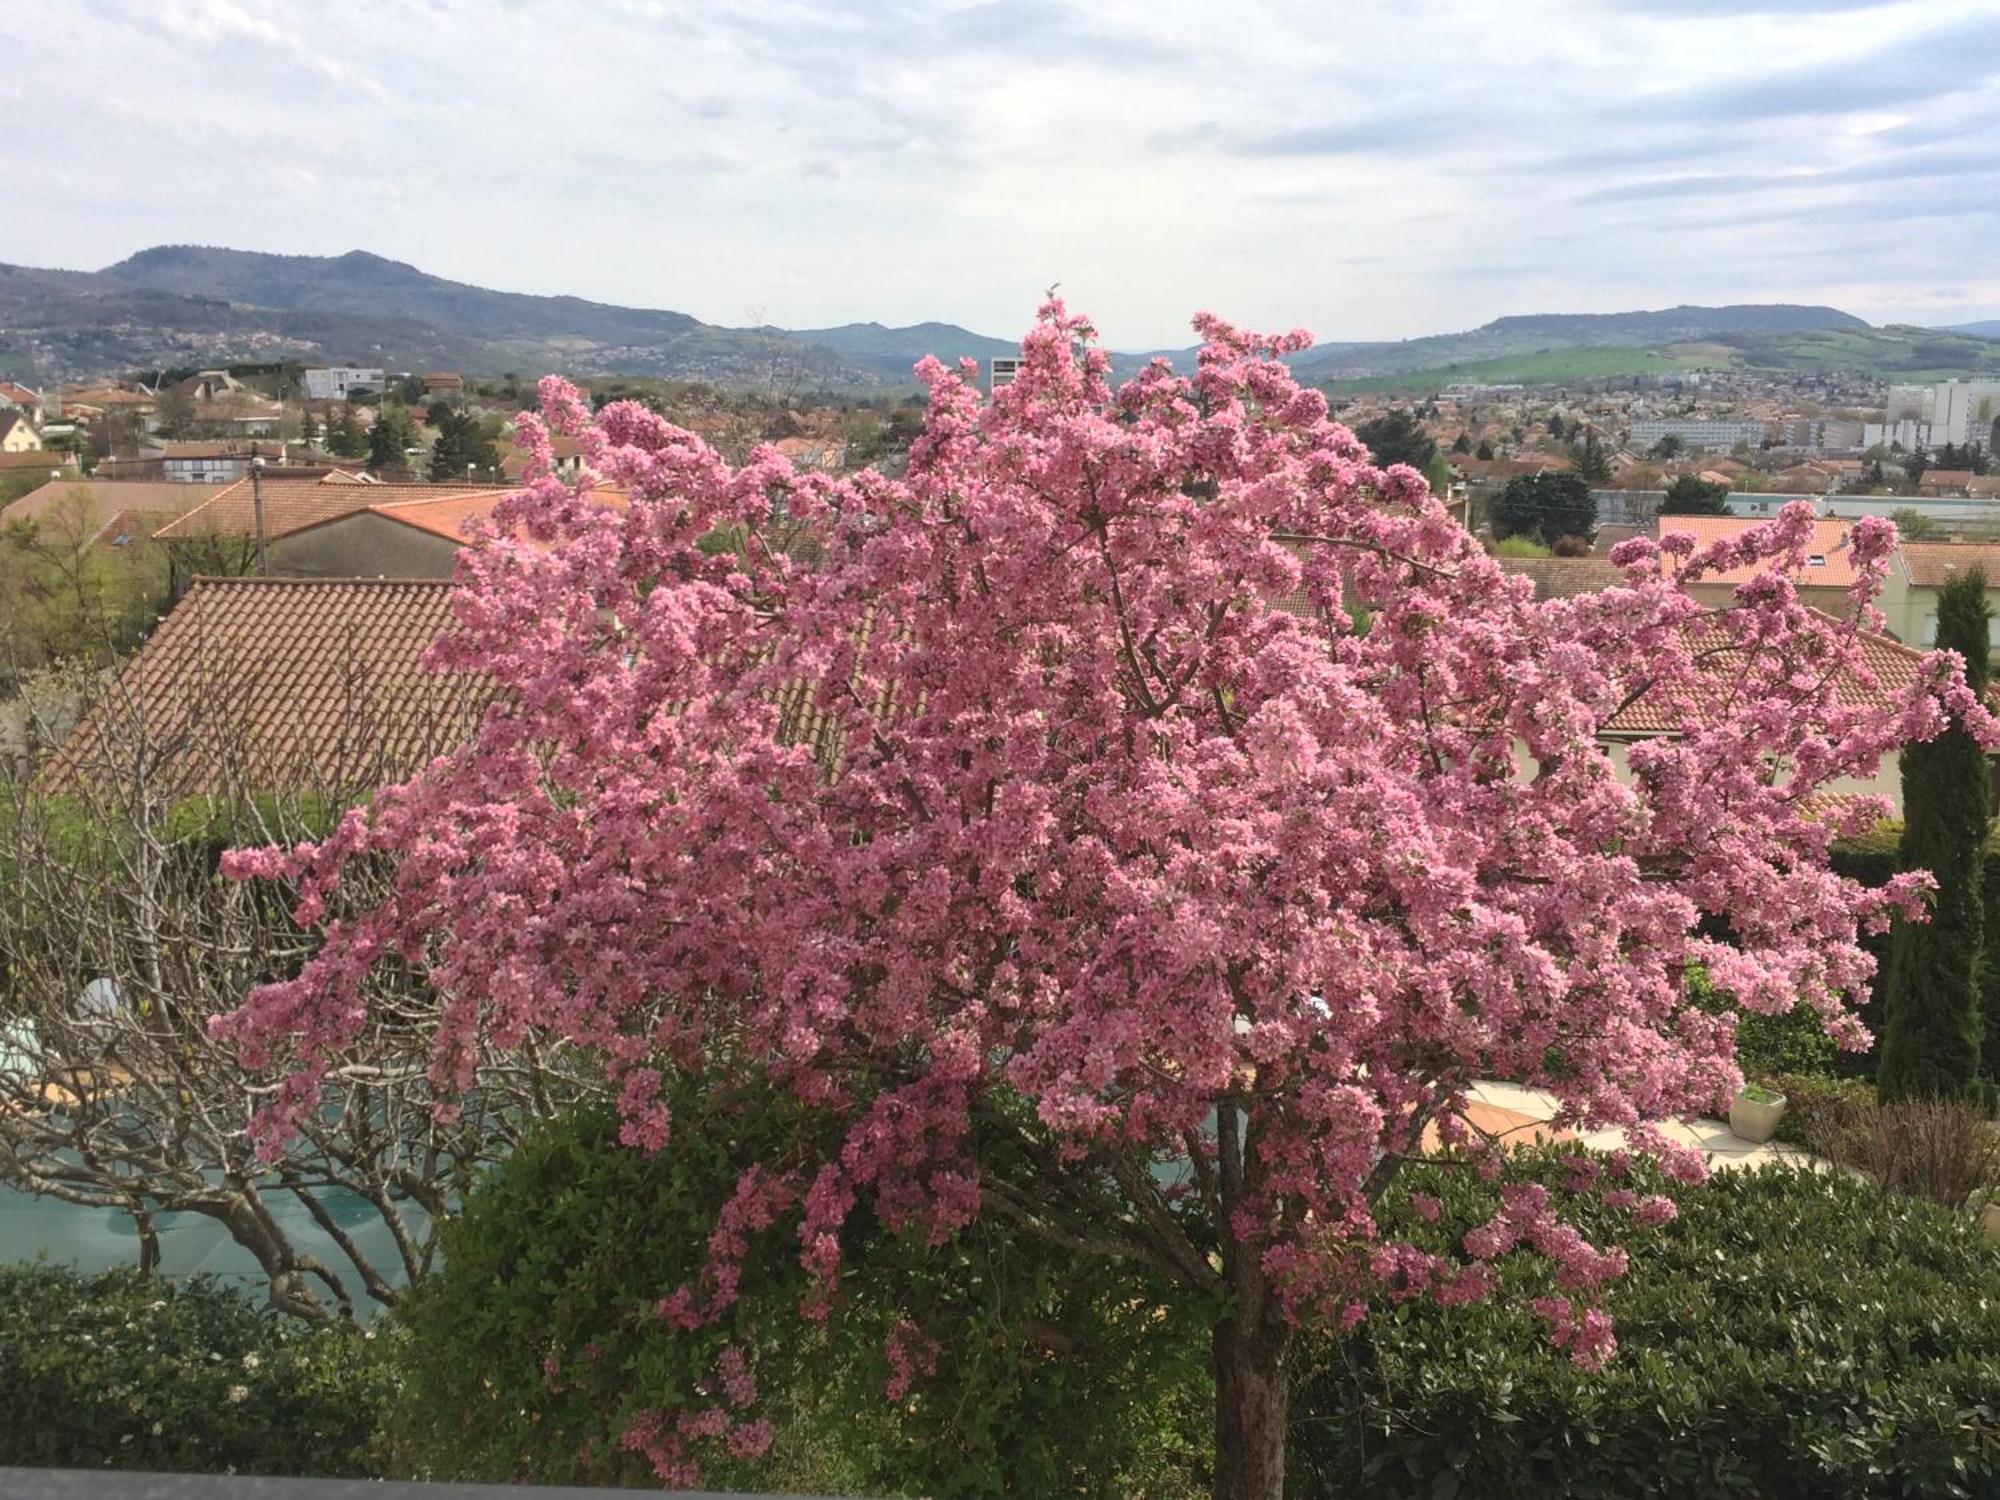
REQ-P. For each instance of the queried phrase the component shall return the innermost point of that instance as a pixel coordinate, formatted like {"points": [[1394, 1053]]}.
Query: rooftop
{"points": [[267, 684]]}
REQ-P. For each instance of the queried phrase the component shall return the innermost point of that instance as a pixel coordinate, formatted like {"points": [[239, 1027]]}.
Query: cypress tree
{"points": [[1930, 1040]]}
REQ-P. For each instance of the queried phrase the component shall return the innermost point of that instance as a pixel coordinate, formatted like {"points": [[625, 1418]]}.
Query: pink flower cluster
{"points": [[1138, 760]]}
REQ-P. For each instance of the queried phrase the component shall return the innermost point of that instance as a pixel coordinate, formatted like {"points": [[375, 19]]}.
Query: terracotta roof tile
{"points": [[1892, 665], [1565, 577], [1833, 570], [268, 684], [91, 503], [1932, 565], [294, 504]]}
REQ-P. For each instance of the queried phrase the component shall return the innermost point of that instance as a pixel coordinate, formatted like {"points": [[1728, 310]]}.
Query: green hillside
{"points": [[1550, 367]]}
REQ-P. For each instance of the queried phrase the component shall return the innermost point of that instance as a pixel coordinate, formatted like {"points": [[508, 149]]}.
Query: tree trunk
{"points": [[1252, 1403]]}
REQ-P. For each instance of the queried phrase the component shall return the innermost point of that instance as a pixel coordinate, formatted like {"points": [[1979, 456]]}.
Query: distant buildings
{"points": [[1709, 435], [1929, 416], [17, 433], [337, 382], [1003, 369]]}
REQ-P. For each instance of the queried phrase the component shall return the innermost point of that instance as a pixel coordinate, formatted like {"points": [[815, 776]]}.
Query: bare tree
{"points": [[119, 940]]}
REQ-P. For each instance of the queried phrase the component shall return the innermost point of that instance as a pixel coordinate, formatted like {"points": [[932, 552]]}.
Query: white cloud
{"points": [[1376, 169]]}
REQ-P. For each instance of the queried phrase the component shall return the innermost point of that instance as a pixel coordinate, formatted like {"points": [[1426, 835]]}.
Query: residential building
{"points": [[338, 382], [17, 433], [1923, 569], [1829, 572], [83, 511], [19, 398], [1708, 435], [1929, 416], [443, 383], [1003, 368], [291, 504], [278, 684], [1942, 482]]}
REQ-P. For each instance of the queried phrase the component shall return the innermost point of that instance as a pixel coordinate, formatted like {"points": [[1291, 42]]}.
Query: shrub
{"points": [[539, 1344], [1809, 1097], [123, 1371], [1936, 1149], [1792, 1334]]}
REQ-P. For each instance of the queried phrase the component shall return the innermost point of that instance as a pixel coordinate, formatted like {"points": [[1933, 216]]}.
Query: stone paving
{"points": [[1518, 1113]]}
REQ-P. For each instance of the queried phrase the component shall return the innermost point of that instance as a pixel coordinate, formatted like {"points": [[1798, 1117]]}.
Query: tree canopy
{"points": [[1691, 495], [1146, 792], [1545, 506]]}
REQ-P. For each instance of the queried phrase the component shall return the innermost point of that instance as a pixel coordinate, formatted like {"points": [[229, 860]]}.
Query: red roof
{"points": [[294, 504], [1931, 565], [1892, 664], [266, 684], [1832, 566]]}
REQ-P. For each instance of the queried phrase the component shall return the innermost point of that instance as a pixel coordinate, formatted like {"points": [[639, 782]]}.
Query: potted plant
{"points": [[1754, 1113]]}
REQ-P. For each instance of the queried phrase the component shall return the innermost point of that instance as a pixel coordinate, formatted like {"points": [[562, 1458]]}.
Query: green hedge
{"points": [[125, 1371], [1792, 1334], [537, 1345]]}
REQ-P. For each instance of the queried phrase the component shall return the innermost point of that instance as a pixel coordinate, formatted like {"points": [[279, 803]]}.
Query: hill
{"points": [[1990, 329], [177, 305]]}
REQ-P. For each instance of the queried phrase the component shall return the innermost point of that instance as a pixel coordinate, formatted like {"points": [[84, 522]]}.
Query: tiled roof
{"points": [[1949, 479], [37, 458], [94, 502], [268, 684], [1892, 664], [1565, 577], [294, 504], [1833, 568], [9, 391], [1932, 565]]}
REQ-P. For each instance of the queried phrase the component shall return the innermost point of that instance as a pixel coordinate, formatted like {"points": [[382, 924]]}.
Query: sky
{"points": [[1364, 170]]}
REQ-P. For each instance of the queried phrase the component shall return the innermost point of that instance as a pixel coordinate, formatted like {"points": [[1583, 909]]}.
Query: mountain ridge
{"points": [[179, 304]]}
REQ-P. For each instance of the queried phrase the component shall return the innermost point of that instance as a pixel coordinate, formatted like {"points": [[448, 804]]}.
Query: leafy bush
{"points": [[124, 1371], [540, 1344], [1810, 1097], [1793, 1043], [1792, 1334]]}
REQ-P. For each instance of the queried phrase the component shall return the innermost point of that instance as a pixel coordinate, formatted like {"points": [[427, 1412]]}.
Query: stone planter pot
{"points": [[1756, 1120]]}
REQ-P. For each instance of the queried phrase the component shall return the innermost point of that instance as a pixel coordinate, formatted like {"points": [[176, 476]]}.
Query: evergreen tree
{"points": [[1556, 428], [391, 436], [462, 444], [1397, 437], [1693, 496], [343, 438], [1931, 1035], [1545, 506], [1592, 462], [1463, 445], [1485, 453]]}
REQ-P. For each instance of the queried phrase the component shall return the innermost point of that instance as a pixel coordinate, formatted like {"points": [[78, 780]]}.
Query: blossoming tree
{"points": [[1144, 779]]}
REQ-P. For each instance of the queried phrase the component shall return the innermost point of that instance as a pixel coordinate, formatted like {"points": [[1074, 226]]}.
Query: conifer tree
{"points": [[1930, 1041]]}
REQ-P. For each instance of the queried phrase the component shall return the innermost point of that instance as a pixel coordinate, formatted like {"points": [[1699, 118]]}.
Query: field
{"points": [[1551, 367]]}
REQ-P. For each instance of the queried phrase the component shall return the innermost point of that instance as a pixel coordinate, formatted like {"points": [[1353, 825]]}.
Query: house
{"points": [[338, 382], [443, 383], [292, 503], [53, 462], [19, 398], [278, 684], [1824, 585], [1924, 568], [83, 511], [1893, 667], [211, 385], [1564, 577], [1944, 481], [412, 531], [568, 459], [17, 433], [193, 463], [406, 531]]}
